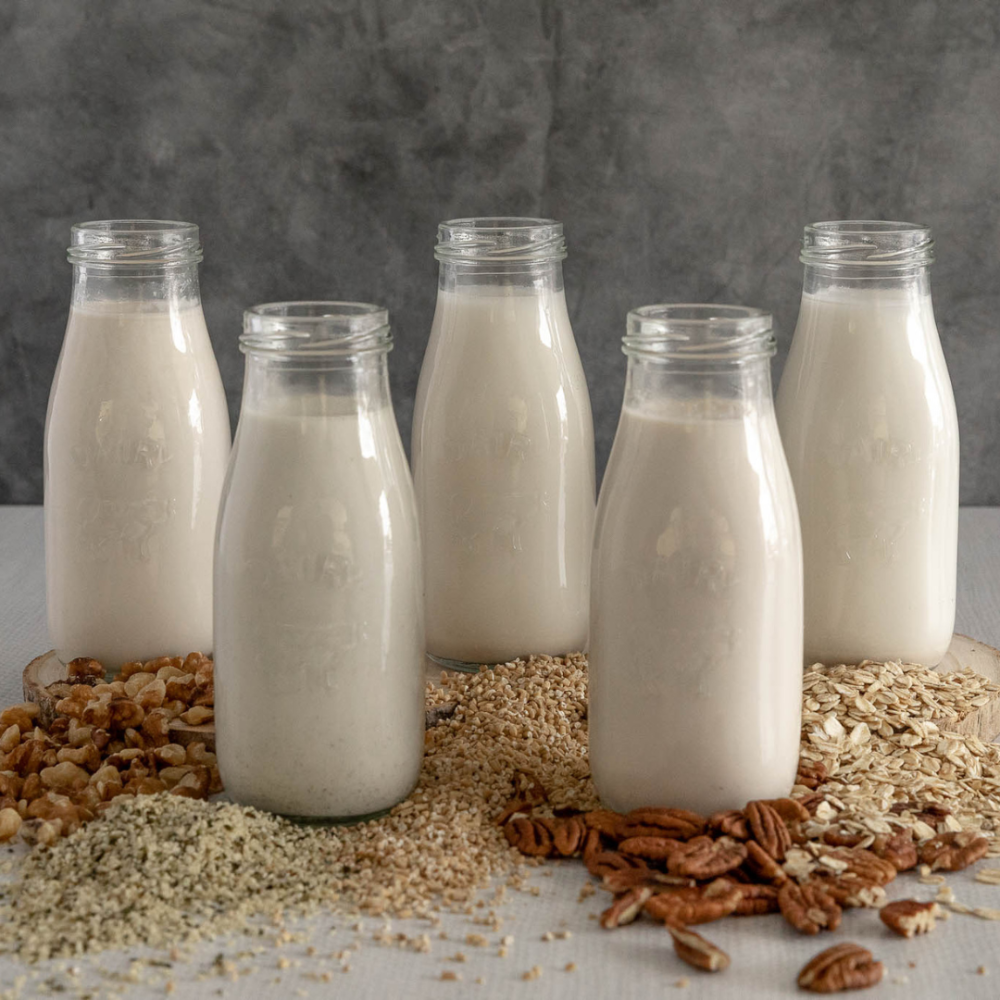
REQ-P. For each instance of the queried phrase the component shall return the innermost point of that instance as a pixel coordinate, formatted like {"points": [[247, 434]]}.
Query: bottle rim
{"points": [[134, 243], [699, 332], [868, 243], [500, 239], [315, 329]]}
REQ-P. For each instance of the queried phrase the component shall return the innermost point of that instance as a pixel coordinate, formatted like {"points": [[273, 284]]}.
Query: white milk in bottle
{"points": [[868, 421], [319, 617], [696, 622], [136, 444], [503, 450]]}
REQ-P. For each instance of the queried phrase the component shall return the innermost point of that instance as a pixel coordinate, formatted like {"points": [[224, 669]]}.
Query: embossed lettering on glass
{"points": [[503, 449], [868, 420], [136, 444], [696, 590], [319, 619]]}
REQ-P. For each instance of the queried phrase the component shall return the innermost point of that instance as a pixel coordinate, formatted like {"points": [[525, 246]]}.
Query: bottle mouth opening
{"points": [[315, 329], [501, 239], [697, 332], [135, 243], [868, 243]]}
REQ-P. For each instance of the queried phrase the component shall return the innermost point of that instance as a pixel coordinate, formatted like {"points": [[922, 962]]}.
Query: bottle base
{"points": [[336, 820]]}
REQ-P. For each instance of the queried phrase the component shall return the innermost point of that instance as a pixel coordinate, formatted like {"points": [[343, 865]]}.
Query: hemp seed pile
{"points": [[163, 870]]}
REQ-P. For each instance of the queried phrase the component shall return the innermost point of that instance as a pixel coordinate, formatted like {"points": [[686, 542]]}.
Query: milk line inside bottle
{"points": [[503, 451]]}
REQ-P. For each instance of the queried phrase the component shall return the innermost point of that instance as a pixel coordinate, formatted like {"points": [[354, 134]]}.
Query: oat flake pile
{"points": [[164, 870]]}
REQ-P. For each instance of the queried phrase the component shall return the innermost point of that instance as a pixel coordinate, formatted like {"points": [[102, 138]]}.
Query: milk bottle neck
{"points": [[327, 358], [346, 388], [847, 280], [156, 288], [142, 263], [542, 277], [740, 389], [518, 254], [699, 360], [867, 255]]}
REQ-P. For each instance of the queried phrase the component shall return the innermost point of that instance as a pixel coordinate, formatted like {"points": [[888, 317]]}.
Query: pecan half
{"points": [[790, 810], [529, 836], [838, 837], [808, 908], [650, 848], [626, 907], [908, 916], [898, 849], [729, 823], [811, 775], [932, 814], [691, 906], [810, 801], [651, 822], [952, 851], [845, 966], [628, 878], [768, 829], [762, 866], [528, 793], [851, 890], [757, 900], [604, 862], [592, 846], [565, 835], [695, 950], [864, 863], [704, 858], [604, 820], [568, 835]]}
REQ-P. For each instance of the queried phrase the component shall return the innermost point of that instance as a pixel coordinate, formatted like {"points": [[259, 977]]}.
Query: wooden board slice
{"points": [[965, 653], [49, 669]]}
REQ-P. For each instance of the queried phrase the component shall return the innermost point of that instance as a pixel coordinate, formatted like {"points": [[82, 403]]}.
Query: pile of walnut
{"points": [[682, 869], [106, 739]]}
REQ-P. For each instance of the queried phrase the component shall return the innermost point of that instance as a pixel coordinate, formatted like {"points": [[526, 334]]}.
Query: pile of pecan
{"points": [[105, 740], [682, 869]]}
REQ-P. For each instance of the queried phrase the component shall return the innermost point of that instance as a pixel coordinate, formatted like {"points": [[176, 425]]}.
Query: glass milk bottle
{"points": [[136, 444], [696, 592], [319, 619], [503, 449], [868, 422]]}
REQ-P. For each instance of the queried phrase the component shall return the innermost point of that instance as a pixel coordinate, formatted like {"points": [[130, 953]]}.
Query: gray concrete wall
{"points": [[318, 143]]}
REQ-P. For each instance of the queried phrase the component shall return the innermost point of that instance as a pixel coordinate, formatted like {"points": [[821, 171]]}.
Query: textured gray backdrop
{"points": [[318, 143]]}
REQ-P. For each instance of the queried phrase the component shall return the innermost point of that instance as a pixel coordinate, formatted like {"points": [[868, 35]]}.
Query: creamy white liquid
{"points": [[319, 659], [868, 422], [696, 628], [503, 460], [136, 444]]}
